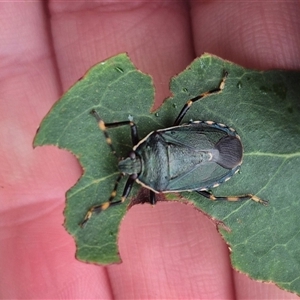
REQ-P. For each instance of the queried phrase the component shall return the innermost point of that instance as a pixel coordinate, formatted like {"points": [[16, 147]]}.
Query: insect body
{"points": [[196, 157], [188, 157]]}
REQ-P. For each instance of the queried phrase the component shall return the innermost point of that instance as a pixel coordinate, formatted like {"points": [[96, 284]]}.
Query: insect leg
{"points": [[210, 196], [152, 198], [103, 126], [190, 102], [110, 202]]}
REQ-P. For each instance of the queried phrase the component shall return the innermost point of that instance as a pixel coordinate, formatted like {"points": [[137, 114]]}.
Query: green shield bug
{"points": [[196, 156]]}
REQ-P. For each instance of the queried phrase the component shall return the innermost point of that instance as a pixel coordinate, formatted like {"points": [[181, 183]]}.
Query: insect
{"points": [[195, 156]]}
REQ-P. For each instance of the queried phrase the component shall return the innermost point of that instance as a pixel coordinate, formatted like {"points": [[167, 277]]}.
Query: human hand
{"points": [[171, 251]]}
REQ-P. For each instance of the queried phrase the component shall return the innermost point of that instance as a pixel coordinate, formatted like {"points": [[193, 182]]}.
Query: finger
{"points": [[157, 39], [256, 35], [35, 248], [155, 35]]}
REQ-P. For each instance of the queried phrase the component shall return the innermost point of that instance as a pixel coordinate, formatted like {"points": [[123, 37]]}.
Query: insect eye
{"points": [[132, 155]]}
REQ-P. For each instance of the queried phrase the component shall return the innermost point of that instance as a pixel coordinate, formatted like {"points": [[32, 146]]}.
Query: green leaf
{"points": [[263, 107], [115, 89]]}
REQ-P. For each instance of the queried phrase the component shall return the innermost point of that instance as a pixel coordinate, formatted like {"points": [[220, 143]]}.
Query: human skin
{"points": [[171, 251]]}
